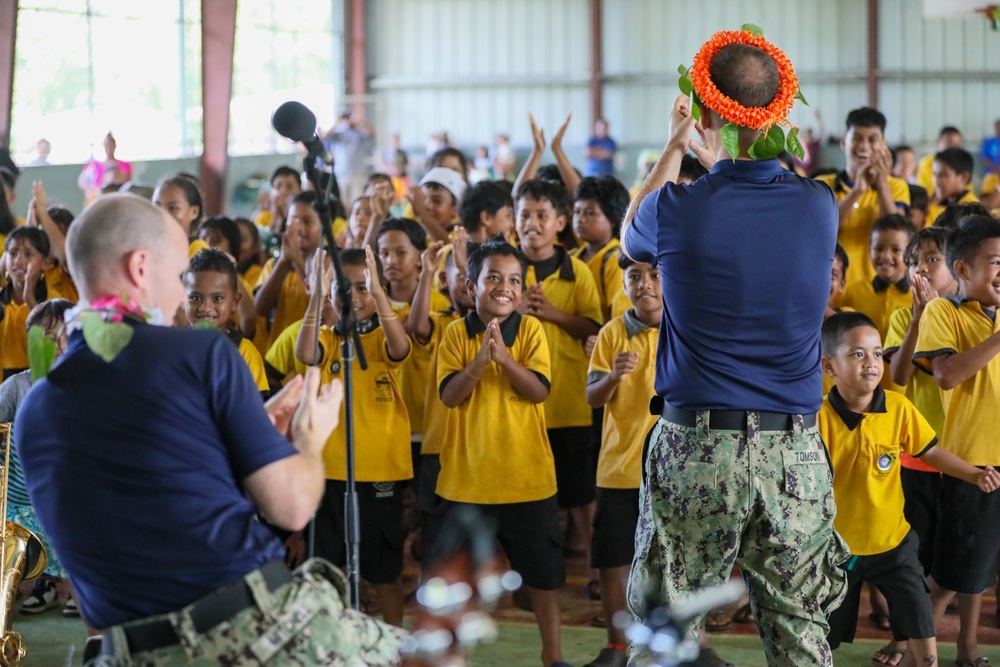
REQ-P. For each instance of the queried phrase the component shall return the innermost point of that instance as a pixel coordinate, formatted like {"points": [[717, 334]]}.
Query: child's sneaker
{"points": [[43, 597], [70, 609]]}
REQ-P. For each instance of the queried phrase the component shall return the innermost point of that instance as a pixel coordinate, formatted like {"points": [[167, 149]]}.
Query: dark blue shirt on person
{"points": [[744, 254], [601, 166], [134, 469]]}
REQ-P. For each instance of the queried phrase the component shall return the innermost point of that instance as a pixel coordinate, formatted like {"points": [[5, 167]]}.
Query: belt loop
{"points": [[702, 424], [798, 423], [753, 427], [116, 644], [187, 634], [260, 592]]}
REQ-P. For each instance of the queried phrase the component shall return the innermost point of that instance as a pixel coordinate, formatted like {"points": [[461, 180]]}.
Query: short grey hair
{"points": [[105, 233]]}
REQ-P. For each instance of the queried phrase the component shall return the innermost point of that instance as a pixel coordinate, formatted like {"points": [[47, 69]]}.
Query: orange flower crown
{"points": [[697, 83]]}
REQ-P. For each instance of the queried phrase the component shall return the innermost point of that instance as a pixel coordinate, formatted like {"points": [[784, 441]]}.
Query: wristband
{"points": [[474, 377]]}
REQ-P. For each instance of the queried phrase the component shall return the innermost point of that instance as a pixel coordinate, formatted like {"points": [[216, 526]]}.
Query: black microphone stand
{"points": [[351, 344]]}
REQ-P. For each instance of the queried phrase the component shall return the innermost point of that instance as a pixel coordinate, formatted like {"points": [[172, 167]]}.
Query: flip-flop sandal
{"points": [[889, 653], [881, 620], [719, 620], [709, 658], [978, 662]]}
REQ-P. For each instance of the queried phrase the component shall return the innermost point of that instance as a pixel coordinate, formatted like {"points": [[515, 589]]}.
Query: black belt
{"points": [[206, 613], [728, 420]]}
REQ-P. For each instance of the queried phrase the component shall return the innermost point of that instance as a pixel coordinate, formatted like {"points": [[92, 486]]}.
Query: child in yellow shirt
{"points": [[866, 429], [952, 175], [621, 376], [212, 298]]}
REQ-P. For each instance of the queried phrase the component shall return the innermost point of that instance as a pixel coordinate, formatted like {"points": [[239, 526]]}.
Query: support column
{"points": [[872, 67], [8, 35], [596, 63], [218, 39]]}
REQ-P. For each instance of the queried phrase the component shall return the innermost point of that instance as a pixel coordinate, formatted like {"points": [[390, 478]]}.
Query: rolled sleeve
{"points": [[639, 239]]}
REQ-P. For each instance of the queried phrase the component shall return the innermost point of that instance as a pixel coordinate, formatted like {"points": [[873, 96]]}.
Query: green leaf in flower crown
{"points": [[731, 139], [793, 145], [752, 29], [695, 106], [41, 352], [800, 97], [105, 339], [769, 144], [682, 70], [684, 83], [203, 325]]}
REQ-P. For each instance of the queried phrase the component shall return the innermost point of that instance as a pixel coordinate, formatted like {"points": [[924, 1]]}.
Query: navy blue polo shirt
{"points": [[745, 254], [134, 469]]}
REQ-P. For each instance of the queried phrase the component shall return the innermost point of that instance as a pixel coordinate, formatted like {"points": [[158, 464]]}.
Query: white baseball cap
{"points": [[449, 179]]}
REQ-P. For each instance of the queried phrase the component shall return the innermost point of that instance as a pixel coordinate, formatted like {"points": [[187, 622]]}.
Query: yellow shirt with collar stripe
{"points": [[854, 233], [292, 300], [935, 210], [496, 450], [254, 362], [381, 424], [570, 288], [879, 300], [13, 331], [607, 274], [864, 452], [626, 415], [971, 420], [435, 412]]}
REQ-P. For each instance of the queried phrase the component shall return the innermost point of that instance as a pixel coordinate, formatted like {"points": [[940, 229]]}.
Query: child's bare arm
{"points": [[988, 480], [396, 340], [577, 326], [419, 319], [951, 370], [523, 380], [668, 166], [39, 205], [602, 391], [382, 198], [901, 367], [530, 167], [267, 295], [462, 384], [306, 348], [426, 220], [566, 170]]}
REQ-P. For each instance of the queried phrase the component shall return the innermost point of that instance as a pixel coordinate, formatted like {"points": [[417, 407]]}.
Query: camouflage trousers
{"points": [[710, 499], [305, 622]]}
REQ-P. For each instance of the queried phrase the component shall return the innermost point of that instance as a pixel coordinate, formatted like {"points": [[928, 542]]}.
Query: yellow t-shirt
{"points": [[971, 421], [570, 288], [381, 425], [864, 451], [934, 210], [879, 300], [195, 247], [14, 337], [607, 274], [620, 304], [435, 412], [281, 355], [626, 415], [495, 449], [263, 219], [292, 301], [922, 390], [254, 363], [991, 182], [60, 284], [414, 374], [855, 232], [250, 278], [925, 174]]}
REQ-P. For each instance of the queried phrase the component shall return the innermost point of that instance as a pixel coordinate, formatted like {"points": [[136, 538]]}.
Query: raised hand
{"points": [[282, 406], [430, 259], [923, 294], [382, 198], [557, 139], [681, 122], [460, 248], [538, 304], [291, 248], [416, 197], [372, 281], [624, 364], [537, 134], [319, 411], [707, 151]]}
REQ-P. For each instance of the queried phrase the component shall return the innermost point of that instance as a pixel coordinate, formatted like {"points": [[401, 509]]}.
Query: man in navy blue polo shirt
{"points": [[148, 471], [736, 471]]}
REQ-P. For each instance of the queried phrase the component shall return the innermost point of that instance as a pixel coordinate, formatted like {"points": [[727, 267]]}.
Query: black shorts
{"points": [[967, 539], [430, 468], [529, 533], [380, 507], [898, 574], [920, 489], [576, 474], [613, 543]]}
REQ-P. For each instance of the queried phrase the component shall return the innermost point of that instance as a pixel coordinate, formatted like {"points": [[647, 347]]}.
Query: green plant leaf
{"points": [[684, 83], [695, 107], [800, 97], [105, 339], [41, 352], [682, 70], [768, 145], [731, 139], [204, 325], [793, 145], [752, 29]]}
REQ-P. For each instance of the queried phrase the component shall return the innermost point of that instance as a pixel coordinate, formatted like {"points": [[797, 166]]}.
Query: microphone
{"points": [[293, 120]]}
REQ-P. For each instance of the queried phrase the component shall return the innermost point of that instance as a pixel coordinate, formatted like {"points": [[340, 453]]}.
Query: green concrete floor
{"points": [[54, 641]]}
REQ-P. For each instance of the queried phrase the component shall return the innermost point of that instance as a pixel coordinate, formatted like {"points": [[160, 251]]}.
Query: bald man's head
{"points": [[108, 231], [745, 74]]}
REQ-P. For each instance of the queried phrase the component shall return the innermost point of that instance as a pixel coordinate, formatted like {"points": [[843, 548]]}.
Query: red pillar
{"points": [[8, 34], [357, 51], [596, 63], [872, 67], [218, 39]]}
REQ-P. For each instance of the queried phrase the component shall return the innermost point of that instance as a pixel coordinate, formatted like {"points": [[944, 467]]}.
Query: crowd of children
{"points": [[510, 345]]}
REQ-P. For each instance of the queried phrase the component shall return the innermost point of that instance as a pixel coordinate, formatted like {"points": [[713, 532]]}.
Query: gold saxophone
{"points": [[23, 559]]}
